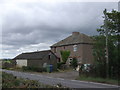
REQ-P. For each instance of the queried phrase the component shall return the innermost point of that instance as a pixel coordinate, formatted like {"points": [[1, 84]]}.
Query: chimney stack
{"points": [[75, 33]]}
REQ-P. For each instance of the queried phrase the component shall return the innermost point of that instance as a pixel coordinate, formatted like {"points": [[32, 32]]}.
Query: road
{"points": [[65, 82]]}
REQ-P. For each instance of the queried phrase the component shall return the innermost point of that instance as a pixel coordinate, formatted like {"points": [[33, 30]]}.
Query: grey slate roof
{"points": [[74, 39], [33, 55]]}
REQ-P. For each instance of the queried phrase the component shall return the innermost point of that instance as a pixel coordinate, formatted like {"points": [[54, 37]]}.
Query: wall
{"points": [[77, 54], [21, 62], [40, 62], [83, 53]]}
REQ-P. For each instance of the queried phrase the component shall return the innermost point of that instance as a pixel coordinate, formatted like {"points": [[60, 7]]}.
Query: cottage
{"points": [[36, 59], [79, 45]]}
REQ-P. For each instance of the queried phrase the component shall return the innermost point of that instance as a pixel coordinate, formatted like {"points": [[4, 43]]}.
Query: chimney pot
{"points": [[75, 33]]}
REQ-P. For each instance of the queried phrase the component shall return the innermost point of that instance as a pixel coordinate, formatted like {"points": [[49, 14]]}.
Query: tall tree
{"points": [[112, 25]]}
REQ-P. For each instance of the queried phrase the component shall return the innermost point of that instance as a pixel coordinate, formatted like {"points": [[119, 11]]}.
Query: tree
{"points": [[65, 55], [112, 24], [99, 56]]}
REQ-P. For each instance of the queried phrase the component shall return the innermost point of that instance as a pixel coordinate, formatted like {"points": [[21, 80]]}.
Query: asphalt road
{"points": [[65, 82]]}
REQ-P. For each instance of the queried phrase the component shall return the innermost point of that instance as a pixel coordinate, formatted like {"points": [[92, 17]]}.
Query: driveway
{"points": [[65, 75], [65, 82]]}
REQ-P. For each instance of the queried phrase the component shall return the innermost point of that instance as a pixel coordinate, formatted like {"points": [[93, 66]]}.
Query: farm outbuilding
{"points": [[36, 59]]}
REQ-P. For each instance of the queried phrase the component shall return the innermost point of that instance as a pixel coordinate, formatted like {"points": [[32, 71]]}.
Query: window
{"points": [[58, 59], [70, 60], [49, 56], [64, 47], [75, 48], [55, 50]]}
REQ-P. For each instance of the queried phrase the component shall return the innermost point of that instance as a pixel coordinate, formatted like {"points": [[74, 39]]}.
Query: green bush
{"points": [[24, 68], [65, 55], [60, 64], [7, 65], [74, 63]]}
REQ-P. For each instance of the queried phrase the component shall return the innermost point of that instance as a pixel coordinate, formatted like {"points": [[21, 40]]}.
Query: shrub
{"points": [[60, 64], [74, 63], [24, 68], [7, 65], [65, 55]]}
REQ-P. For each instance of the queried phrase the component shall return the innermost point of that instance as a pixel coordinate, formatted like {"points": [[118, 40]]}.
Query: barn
{"points": [[36, 59]]}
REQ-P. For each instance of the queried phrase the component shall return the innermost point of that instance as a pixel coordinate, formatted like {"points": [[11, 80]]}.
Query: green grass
{"points": [[97, 79]]}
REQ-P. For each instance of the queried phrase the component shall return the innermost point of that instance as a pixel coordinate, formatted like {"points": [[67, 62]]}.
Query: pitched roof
{"points": [[33, 55], [75, 38]]}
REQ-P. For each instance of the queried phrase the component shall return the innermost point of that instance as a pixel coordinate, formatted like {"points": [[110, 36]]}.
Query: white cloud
{"points": [[9, 51]]}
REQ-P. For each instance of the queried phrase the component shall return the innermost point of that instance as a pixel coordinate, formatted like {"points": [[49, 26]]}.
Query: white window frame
{"points": [[74, 48]]}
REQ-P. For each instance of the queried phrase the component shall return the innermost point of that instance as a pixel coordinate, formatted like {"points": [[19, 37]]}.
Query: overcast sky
{"points": [[35, 26]]}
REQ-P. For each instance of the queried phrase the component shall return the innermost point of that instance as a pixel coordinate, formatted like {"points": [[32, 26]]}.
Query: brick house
{"points": [[36, 59], [79, 45]]}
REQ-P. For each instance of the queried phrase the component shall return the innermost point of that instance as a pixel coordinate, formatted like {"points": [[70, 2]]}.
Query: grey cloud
{"points": [[28, 24]]}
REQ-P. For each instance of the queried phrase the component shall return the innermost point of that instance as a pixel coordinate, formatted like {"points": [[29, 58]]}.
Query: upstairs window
{"points": [[75, 48], [49, 57]]}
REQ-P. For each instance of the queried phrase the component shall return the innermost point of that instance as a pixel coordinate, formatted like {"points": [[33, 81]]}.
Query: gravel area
{"points": [[66, 74]]}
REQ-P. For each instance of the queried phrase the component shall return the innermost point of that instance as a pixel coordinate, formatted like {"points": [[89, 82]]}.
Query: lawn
{"points": [[97, 79]]}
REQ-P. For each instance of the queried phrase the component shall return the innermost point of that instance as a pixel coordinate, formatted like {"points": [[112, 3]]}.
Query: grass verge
{"points": [[10, 81], [99, 80]]}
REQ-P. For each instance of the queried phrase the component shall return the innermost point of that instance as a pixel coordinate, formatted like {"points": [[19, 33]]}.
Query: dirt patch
{"points": [[66, 75]]}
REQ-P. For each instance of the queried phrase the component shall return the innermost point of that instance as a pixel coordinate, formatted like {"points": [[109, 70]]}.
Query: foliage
{"points": [[87, 70], [59, 64], [7, 64], [10, 81], [7, 61], [97, 79], [99, 56], [112, 25], [65, 55], [74, 63]]}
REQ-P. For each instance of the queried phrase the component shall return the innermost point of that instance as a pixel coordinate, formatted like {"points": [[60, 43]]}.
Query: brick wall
{"points": [[83, 53]]}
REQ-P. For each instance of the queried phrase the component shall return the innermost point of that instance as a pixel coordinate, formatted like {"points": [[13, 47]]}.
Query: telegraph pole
{"points": [[119, 6], [106, 34]]}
